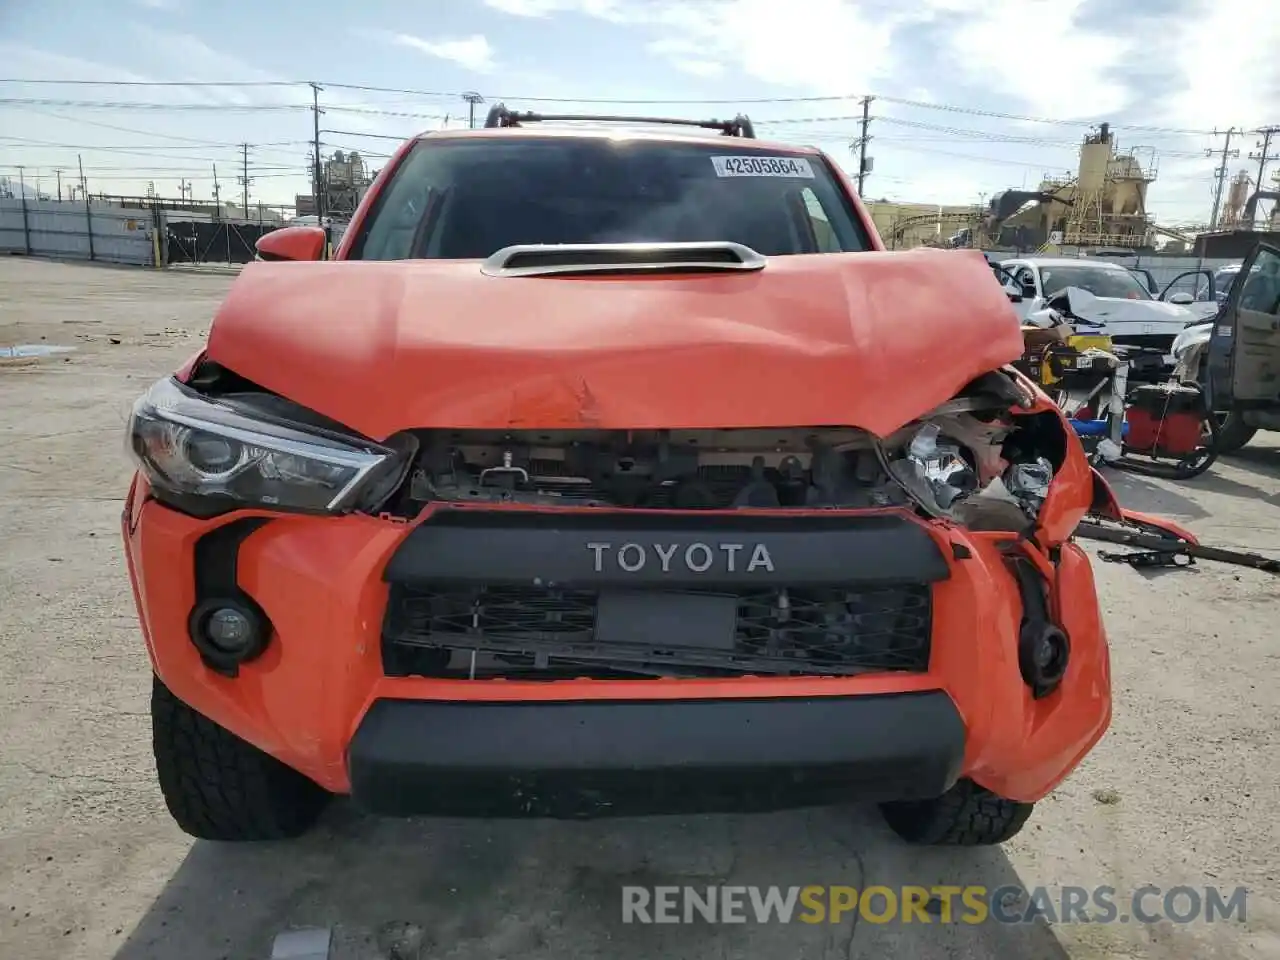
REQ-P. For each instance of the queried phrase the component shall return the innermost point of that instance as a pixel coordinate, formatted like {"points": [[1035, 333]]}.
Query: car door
{"points": [[1012, 290], [1145, 278], [1197, 290], [1028, 280], [1198, 285], [1244, 351]]}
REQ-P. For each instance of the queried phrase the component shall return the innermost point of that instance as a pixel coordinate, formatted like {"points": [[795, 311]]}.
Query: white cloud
{"points": [[768, 41], [527, 8], [473, 52], [997, 40], [1027, 57], [1240, 87], [1049, 58], [707, 69], [686, 56], [43, 64], [539, 9]]}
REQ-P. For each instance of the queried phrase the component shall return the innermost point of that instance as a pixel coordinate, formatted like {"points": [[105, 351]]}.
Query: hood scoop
{"points": [[533, 260]]}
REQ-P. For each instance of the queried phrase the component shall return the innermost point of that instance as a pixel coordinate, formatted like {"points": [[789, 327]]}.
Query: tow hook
{"points": [[1043, 647]]}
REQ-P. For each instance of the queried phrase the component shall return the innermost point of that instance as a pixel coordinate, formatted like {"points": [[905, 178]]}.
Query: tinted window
{"points": [[1100, 281], [468, 198]]}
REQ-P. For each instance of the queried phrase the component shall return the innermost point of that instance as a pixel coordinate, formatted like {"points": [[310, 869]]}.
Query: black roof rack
{"points": [[500, 116]]}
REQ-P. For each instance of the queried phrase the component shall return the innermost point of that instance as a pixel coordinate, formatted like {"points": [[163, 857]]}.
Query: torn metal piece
{"points": [[1148, 558], [1169, 547], [311, 943]]}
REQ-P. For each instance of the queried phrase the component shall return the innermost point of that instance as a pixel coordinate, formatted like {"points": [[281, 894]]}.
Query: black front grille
{"points": [[530, 632]]}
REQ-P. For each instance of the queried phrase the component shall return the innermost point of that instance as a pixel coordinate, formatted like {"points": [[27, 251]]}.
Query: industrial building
{"points": [[344, 179], [907, 225]]}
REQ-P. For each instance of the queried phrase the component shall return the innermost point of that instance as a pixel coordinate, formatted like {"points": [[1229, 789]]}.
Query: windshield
{"points": [[468, 198], [1100, 281]]}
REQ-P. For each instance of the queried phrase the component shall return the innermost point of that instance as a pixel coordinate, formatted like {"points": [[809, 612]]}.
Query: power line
{"points": [[827, 98], [161, 83], [375, 136], [975, 112], [149, 171], [119, 129], [130, 148], [452, 94], [145, 105]]}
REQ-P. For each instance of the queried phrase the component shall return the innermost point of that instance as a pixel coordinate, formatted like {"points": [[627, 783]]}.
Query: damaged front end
{"points": [[986, 459], [560, 554], [850, 594]]}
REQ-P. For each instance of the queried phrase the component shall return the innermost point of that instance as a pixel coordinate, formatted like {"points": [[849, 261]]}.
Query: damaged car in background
{"points": [[608, 473]]}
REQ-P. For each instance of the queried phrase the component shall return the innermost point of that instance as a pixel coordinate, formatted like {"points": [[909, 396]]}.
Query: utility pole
{"points": [[861, 143], [217, 195], [182, 187], [472, 99], [1220, 174], [244, 178], [318, 189], [58, 171], [1263, 156], [88, 214], [22, 194]]}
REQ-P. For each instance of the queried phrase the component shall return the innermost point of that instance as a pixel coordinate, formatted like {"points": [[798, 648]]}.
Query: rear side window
{"points": [[468, 198]]}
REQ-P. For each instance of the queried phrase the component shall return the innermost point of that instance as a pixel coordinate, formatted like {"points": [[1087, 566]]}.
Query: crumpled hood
{"points": [[871, 340]]}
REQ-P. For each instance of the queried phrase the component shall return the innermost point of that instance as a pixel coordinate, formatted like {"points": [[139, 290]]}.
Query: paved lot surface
{"points": [[1183, 790]]}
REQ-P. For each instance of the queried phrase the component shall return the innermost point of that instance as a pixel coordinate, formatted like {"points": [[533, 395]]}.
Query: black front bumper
{"points": [[614, 758]]}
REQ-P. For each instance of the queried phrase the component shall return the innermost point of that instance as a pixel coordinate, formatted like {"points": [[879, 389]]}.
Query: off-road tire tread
{"points": [[218, 787], [967, 815]]}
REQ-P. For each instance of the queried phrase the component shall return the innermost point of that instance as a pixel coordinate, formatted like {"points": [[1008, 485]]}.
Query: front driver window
{"points": [[1262, 289]]}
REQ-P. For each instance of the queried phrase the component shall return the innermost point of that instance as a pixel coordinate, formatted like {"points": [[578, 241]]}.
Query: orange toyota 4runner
{"points": [[607, 472]]}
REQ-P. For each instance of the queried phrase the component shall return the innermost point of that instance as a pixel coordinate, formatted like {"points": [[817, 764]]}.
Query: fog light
{"points": [[228, 629], [228, 633]]}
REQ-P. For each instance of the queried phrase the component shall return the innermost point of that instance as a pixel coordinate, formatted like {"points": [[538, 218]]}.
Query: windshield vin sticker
{"points": [[762, 167]]}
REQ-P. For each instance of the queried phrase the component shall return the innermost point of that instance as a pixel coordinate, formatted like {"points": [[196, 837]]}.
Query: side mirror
{"points": [[1182, 298], [292, 243]]}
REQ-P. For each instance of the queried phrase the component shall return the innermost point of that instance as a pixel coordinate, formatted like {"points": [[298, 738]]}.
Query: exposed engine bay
{"points": [[970, 460]]}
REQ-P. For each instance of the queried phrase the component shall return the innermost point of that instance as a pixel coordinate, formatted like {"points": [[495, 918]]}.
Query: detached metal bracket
{"points": [[1149, 558], [1153, 550], [312, 943]]}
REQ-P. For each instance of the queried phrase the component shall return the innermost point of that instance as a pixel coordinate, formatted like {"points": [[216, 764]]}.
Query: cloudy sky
{"points": [[972, 96]]}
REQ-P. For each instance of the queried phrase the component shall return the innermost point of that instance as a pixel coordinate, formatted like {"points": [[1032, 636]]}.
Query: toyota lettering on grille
{"points": [[693, 558]]}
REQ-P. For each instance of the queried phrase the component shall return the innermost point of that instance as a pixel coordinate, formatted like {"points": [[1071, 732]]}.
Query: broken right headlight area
{"points": [[989, 470]]}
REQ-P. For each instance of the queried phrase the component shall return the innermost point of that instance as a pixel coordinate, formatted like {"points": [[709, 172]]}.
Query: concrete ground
{"points": [[1183, 790]]}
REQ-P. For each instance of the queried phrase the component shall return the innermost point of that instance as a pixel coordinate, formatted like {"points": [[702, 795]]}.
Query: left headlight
{"points": [[224, 452]]}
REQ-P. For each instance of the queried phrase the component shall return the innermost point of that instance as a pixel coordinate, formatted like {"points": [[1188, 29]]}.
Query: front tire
{"points": [[1233, 433], [217, 786], [967, 815]]}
